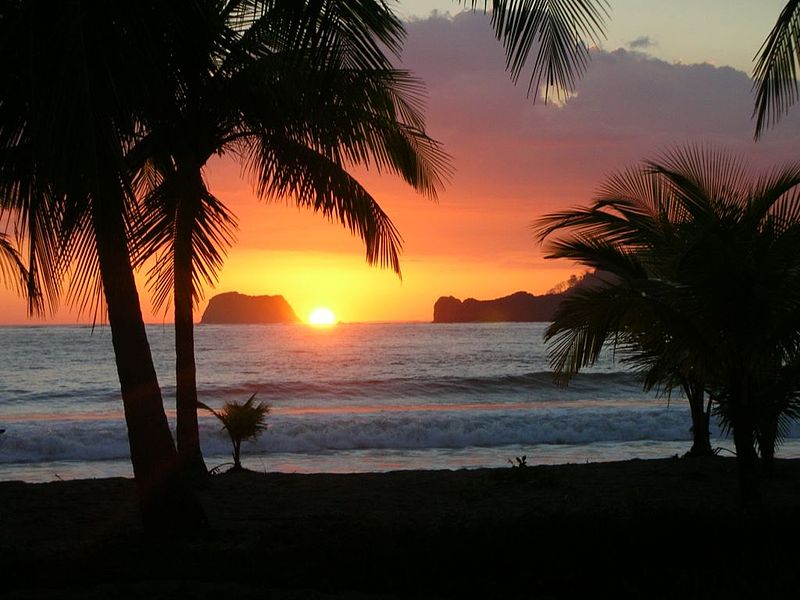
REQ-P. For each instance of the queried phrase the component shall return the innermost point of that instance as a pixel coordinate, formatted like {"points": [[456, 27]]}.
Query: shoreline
{"points": [[381, 460], [655, 527]]}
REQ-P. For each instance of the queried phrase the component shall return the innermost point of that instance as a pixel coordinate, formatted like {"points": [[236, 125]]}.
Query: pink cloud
{"points": [[628, 106]]}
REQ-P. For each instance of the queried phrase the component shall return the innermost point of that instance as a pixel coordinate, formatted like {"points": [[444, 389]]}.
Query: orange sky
{"points": [[513, 161]]}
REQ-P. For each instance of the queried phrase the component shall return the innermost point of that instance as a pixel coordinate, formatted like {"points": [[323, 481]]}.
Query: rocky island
{"points": [[520, 306], [235, 308]]}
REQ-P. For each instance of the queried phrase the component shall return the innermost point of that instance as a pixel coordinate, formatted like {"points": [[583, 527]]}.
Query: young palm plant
{"points": [[298, 92], [242, 422], [705, 287]]}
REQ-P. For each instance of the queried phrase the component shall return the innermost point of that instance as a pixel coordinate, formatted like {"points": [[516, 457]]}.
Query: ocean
{"points": [[350, 398]]}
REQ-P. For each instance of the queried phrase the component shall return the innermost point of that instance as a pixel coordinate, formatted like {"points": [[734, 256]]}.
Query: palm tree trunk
{"points": [[237, 460], [188, 432], [167, 506], [747, 463], [767, 438], [701, 442]]}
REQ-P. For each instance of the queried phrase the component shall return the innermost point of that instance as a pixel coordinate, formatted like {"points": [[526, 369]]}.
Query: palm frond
{"points": [[619, 222], [354, 34], [558, 31], [12, 270], [583, 324], [706, 180], [34, 215], [775, 72], [283, 170], [242, 421], [775, 196], [213, 232], [79, 246], [207, 233], [373, 118], [647, 198], [597, 254]]}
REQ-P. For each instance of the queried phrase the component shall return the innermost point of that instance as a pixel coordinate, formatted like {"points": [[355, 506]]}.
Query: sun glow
{"points": [[322, 317]]}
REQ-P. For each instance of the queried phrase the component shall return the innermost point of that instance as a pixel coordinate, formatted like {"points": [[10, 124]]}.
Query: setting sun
{"points": [[321, 317]]}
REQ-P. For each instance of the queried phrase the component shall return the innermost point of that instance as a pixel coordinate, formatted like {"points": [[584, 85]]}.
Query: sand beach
{"points": [[654, 528]]}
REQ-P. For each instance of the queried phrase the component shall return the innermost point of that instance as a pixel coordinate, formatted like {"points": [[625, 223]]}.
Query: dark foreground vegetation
{"points": [[661, 528]]}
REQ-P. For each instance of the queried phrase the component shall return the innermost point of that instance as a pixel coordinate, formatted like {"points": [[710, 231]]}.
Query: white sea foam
{"points": [[399, 430]]}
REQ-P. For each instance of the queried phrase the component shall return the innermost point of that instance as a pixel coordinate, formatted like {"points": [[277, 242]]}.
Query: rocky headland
{"points": [[235, 308], [520, 306]]}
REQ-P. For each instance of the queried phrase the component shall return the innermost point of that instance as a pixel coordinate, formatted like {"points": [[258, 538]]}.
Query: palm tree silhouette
{"points": [[704, 287], [296, 111], [241, 421], [77, 78], [628, 235]]}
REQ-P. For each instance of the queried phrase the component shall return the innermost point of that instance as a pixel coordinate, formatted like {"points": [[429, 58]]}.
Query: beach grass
{"points": [[639, 528]]}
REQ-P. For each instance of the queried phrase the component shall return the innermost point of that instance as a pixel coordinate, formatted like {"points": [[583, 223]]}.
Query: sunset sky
{"points": [[669, 73]]}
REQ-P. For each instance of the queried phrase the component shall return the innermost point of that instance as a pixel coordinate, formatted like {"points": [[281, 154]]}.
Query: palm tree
{"points": [[76, 78], [708, 265], [296, 110], [241, 422], [625, 235]]}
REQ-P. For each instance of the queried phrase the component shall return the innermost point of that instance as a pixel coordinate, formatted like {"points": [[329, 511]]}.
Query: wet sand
{"points": [[655, 528]]}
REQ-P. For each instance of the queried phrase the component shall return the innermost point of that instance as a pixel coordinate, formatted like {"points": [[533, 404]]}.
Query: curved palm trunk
{"points": [[167, 506], [188, 432]]}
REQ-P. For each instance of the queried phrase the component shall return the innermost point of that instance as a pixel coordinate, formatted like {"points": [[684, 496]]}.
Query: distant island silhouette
{"points": [[521, 307], [235, 308]]}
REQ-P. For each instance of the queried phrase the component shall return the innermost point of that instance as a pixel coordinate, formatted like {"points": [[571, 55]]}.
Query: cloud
{"points": [[626, 97], [641, 43], [517, 159]]}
